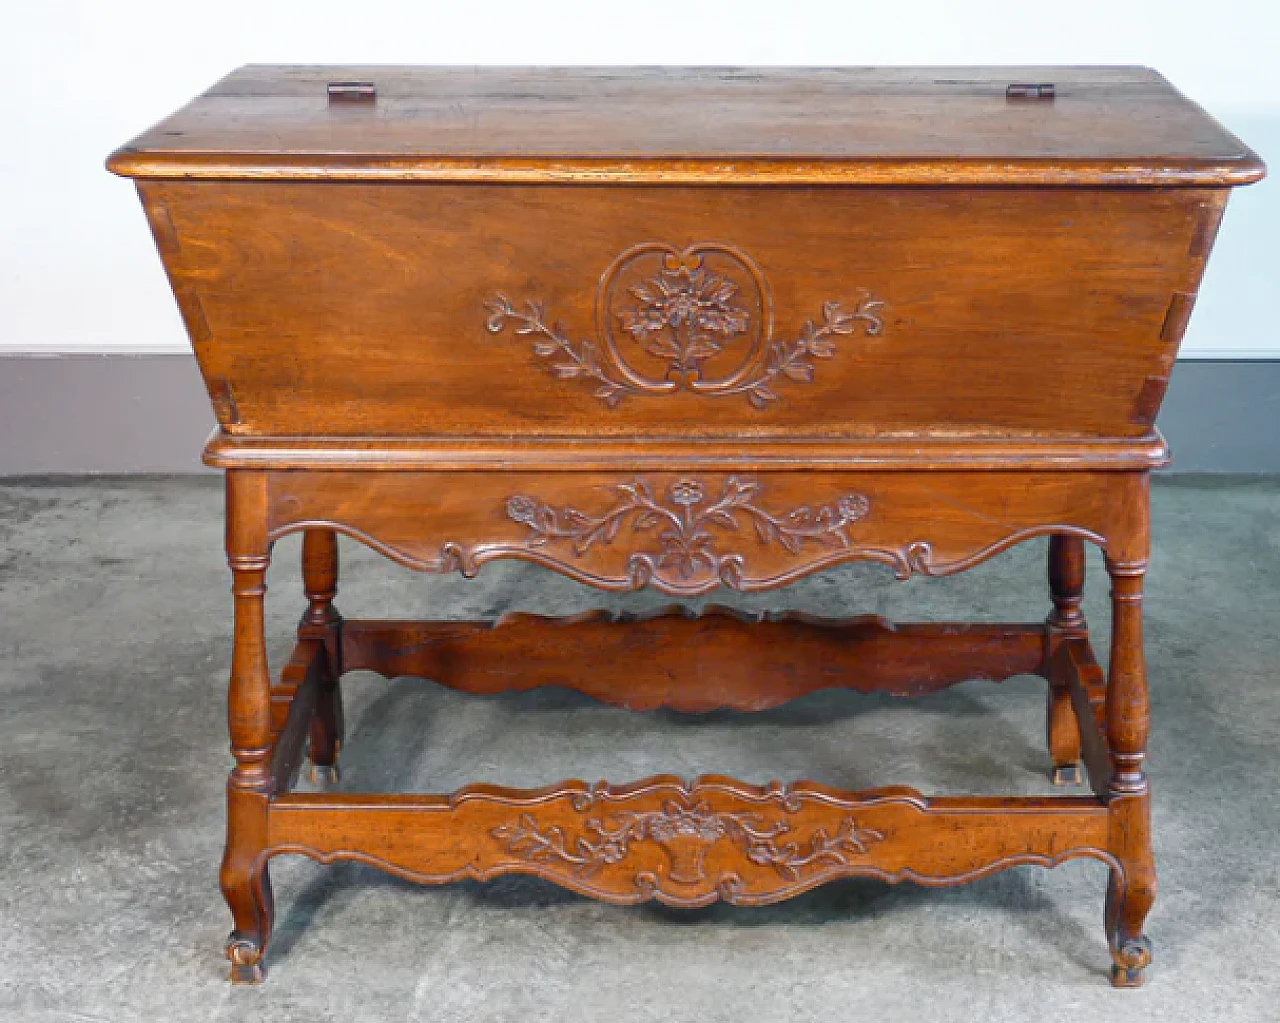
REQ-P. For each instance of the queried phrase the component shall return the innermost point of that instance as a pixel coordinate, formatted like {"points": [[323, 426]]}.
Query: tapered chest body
{"points": [[666, 253]]}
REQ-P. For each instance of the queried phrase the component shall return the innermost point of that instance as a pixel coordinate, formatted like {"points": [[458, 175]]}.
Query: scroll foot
{"points": [[246, 960], [1130, 961]]}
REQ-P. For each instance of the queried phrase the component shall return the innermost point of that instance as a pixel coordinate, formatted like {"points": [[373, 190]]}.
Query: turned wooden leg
{"points": [[321, 620], [1066, 587], [244, 878], [1132, 888]]}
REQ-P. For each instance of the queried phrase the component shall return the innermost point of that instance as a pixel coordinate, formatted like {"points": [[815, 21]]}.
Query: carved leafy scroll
{"points": [[686, 831], [690, 843], [686, 524], [574, 359], [697, 319]]}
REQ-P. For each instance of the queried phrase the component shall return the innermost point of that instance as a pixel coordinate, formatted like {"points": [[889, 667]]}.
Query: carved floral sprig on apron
{"points": [[685, 834], [685, 520]]}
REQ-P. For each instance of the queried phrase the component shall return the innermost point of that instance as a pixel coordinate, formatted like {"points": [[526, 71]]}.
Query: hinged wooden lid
{"points": [[963, 126]]}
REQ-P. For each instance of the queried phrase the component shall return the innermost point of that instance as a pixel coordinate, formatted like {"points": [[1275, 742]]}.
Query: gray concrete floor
{"points": [[114, 632]]}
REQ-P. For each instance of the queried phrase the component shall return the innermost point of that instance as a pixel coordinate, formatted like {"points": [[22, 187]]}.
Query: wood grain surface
{"points": [[688, 534], [366, 289], [1104, 125]]}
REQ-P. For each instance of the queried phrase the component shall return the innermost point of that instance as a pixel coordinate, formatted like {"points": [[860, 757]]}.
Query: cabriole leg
{"points": [[1132, 888], [245, 882], [1066, 587], [322, 621]]}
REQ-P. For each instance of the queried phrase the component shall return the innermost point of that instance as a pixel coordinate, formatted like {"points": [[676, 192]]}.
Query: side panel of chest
{"points": [[340, 309]]}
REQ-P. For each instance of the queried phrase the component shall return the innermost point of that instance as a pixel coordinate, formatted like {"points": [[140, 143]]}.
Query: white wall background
{"points": [[77, 268]]}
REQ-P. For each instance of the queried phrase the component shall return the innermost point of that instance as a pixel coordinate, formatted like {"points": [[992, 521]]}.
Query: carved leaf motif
{"points": [[685, 829], [688, 521], [582, 360], [801, 371]]}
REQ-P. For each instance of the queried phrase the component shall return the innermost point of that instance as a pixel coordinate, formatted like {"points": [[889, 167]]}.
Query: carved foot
{"points": [[246, 960], [248, 893], [325, 776], [1129, 962], [1066, 774]]}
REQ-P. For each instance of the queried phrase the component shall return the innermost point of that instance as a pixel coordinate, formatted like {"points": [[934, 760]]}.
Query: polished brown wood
{"points": [[688, 533], [691, 843], [688, 329], [1066, 586], [1105, 125], [1063, 276], [289, 742], [694, 662], [246, 884], [322, 622]]}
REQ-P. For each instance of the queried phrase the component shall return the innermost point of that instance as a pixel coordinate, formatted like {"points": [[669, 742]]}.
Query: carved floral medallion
{"points": [[685, 829], [698, 319], [686, 523]]}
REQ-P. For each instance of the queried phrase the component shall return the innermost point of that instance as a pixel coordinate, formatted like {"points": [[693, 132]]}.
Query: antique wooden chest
{"points": [[687, 328]]}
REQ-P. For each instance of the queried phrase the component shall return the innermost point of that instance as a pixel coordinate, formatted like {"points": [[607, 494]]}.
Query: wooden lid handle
{"points": [[1029, 90], [352, 92]]}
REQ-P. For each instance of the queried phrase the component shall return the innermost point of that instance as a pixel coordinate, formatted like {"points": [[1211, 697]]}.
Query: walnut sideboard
{"points": [[687, 329]]}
